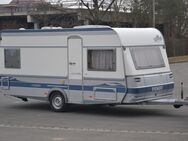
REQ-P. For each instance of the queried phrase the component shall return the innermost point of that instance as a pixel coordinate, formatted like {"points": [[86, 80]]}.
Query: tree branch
{"points": [[87, 6], [101, 3], [109, 6]]}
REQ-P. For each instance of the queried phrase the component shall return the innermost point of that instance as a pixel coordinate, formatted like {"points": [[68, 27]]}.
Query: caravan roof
{"points": [[127, 36], [139, 36]]}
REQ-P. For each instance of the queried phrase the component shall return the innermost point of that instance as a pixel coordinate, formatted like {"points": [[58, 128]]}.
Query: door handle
{"points": [[72, 63]]}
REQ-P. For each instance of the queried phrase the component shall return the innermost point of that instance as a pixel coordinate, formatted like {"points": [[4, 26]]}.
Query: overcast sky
{"points": [[4, 1], [8, 1]]}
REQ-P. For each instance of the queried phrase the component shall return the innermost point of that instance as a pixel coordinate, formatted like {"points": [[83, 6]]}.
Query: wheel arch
{"points": [[52, 91]]}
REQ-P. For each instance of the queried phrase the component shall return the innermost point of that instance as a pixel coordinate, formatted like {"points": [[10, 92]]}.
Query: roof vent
{"points": [[50, 27], [21, 28]]}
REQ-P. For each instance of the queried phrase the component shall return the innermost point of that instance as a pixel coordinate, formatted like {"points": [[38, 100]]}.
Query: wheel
{"points": [[112, 105], [57, 102]]}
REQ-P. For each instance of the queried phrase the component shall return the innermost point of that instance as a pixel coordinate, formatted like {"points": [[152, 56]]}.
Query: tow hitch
{"points": [[177, 103]]}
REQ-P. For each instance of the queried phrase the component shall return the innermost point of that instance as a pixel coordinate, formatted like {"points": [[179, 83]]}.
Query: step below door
{"points": [[5, 83]]}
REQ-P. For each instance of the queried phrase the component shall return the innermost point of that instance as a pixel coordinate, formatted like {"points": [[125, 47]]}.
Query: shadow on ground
{"points": [[100, 110]]}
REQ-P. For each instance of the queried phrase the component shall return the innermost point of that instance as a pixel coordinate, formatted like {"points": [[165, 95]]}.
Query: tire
{"points": [[112, 105], [57, 102]]}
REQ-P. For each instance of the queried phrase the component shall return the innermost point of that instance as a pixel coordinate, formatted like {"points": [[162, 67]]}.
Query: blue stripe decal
{"points": [[102, 88], [119, 89], [75, 87], [149, 89], [105, 90]]}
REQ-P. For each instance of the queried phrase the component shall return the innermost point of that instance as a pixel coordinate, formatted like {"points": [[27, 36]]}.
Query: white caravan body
{"points": [[87, 65]]}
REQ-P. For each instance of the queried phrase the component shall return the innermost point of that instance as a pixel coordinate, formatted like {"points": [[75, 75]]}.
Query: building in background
{"points": [[34, 14], [38, 13]]}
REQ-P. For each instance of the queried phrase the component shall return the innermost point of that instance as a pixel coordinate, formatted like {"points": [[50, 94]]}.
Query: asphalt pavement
{"points": [[33, 120]]}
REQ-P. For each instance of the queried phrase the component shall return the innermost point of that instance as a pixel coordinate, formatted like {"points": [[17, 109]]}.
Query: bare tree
{"points": [[120, 13], [141, 12], [174, 14], [98, 9], [90, 11]]}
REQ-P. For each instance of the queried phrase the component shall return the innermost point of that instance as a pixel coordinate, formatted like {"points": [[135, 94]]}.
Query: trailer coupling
{"points": [[177, 103]]}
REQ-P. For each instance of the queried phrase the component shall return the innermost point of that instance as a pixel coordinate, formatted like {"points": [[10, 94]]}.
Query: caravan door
{"points": [[75, 71]]}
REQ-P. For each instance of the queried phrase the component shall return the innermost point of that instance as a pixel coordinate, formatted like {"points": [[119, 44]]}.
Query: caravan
{"points": [[85, 65]]}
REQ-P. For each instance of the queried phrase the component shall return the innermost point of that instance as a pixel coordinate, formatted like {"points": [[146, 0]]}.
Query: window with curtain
{"points": [[147, 57], [101, 60], [12, 58]]}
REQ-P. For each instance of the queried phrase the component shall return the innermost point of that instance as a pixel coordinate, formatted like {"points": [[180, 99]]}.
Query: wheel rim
{"points": [[57, 102]]}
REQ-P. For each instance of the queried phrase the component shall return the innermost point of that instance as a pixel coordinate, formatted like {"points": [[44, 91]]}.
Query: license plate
{"points": [[157, 88]]}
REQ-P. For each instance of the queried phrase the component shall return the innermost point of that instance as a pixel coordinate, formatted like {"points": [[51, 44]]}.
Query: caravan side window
{"points": [[101, 60], [12, 58]]}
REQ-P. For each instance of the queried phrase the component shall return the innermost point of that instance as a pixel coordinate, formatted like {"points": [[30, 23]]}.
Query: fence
{"points": [[176, 47]]}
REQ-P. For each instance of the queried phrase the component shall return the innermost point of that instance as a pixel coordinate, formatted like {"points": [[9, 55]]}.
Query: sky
{"points": [[8, 1], [4, 1]]}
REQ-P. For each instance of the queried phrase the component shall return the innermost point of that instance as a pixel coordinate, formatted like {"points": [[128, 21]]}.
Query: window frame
{"points": [[114, 65], [149, 66], [9, 65]]}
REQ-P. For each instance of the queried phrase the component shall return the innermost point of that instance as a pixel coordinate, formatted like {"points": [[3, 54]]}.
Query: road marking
{"points": [[58, 139], [95, 130], [17, 102]]}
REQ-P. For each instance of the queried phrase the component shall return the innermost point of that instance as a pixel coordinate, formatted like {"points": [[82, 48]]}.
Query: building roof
{"points": [[26, 1]]}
